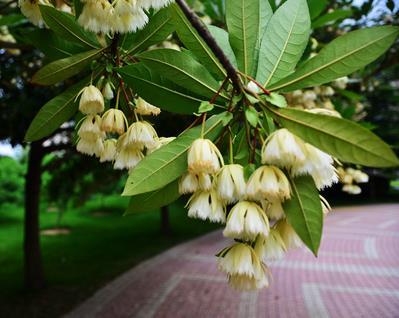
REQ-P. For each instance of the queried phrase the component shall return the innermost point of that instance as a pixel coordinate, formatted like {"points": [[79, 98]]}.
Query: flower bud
{"points": [[107, 91], [91, 101], [352, 189]]}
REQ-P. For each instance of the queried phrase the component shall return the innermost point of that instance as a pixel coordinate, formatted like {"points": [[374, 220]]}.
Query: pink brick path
{"points": [[355, 275]]}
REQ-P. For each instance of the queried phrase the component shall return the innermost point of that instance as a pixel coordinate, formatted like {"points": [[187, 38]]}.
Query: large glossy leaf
{"points": [[193, 41], [244, 25], [156, 31], [335, 16], [341, 57], [52, 45], [54, 113], [342, 138], [304, 212], [154, 200], [182, 69], [285, 39], [222, 39], [64, 25], [169, 162], [168, 96], [60, 70]]}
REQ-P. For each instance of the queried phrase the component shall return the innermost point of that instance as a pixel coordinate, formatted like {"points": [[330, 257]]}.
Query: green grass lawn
{"points": [[102, 244]]}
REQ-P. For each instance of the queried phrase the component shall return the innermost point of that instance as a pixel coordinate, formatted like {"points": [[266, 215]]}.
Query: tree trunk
{"points": [[34, 276], [165, 223]]}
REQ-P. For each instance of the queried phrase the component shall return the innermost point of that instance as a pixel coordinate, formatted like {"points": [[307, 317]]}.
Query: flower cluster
{"points": [[350, 178], [118, 16], [109, 137], [253, 209]]}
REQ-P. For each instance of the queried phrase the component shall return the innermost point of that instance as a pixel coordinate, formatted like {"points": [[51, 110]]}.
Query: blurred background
{"points": [[62, 230]]}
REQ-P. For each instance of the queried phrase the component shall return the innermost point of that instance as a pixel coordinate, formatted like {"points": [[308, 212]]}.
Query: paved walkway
{"points": [[356, 275]]}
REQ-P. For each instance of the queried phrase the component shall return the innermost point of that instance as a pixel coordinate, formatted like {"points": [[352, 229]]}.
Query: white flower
{"points": [[141, 134], [91, 101], [97, 16], [190, 183], [247, 283], [238, 259], [203, 156], [231, 183], [324, 111], [128, 21], [288, 235], [270, 183], [283, 149], [31, 10], [90, 129], [127, 157], [107, 91], [253, 87], [352, 189], [206, 205], [341, 82], [156, 4], [109, 152], [360, 176], [319, 165], [246, 221], [274, 209], [114, 121], [270, 248], [144, 108], [90, 146]]}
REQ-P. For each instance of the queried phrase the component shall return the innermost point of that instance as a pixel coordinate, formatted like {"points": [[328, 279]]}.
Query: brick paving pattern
{"points": [[355, 275]]}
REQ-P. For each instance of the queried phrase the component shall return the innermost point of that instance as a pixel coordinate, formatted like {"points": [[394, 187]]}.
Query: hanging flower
{"points": [[206, 205], [283, 149], [144, 108], [127, 157], [31, 10], [109, 151], [114, 121], [91, 147], [204, 157], [246, 221], [270, 248], [141, 134], [91, 101], [270, 183], [91, 128], [274, 209], [107, 91], [319, 165], [231, 183], [97, 16], [288, 235]]}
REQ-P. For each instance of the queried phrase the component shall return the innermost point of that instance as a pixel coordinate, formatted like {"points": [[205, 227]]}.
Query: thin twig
{"points": [[210, 41]]}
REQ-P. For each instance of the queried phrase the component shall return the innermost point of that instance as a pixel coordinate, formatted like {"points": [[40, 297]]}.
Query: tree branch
{"points": [[210, 41]]}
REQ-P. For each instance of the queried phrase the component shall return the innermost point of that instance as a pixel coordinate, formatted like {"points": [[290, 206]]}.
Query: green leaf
{"points": [[330, 17], [159, 91], [181, 69], [54, 113], [222, 39], [154, 200], [11, 19], [205, 107], [252, 116], [169, 162], [156, 31], [341, 57], [60, 70], [276, 100], [193, 41], [243, 23], [78, 6], [304, 212], [341, 138], [284, 42], [66, 27], [316, 7], [52, 45]]}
